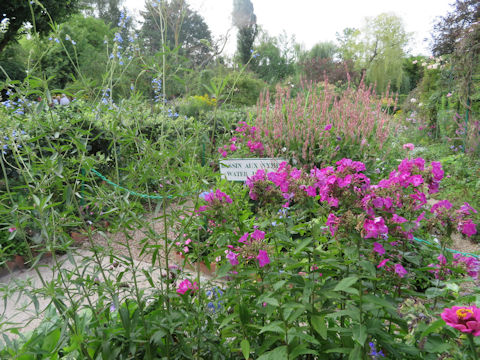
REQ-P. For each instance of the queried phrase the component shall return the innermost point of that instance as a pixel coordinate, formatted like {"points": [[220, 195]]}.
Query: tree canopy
{"points": [[185, 29], [19, 12]]}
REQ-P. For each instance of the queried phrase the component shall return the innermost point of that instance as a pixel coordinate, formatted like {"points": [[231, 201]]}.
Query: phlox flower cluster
{"points": [[469, 264], [186, 285], [395, 207], [245, 135], [250, 247], [215, 199]]}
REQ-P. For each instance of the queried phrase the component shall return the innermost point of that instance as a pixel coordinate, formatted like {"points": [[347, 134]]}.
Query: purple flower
{"points": [[378, 248], [263, 258], [258, 235], [400, 270], [382, 263], [232, 257]]}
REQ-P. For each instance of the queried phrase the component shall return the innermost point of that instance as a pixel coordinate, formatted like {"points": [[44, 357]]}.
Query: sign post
{"points": [[240, 169]]}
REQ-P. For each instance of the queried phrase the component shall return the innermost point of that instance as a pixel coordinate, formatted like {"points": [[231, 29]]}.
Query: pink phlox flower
{"points": [[378, 248], [333, 202], [463, 318], [185, 249], [311, 191], [244, 238], [419, 163], [186, 285], [377, 202], [442, 259], [420, 197], [295, 173], [202, 208], [263, 258], [232, 257], [346, 181], [468, 227], [408, 146], [233, 148], [224, 154], [382, 263], [332, 223], [327, 127], [437, 171], [416, 180], [258, 235], [419, 218], [466, 209], [437, 208], [397, 219], [374, 228], [400, 270]]}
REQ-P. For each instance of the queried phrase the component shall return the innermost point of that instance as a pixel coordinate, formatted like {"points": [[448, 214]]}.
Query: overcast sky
{"points": [[313, 21]]}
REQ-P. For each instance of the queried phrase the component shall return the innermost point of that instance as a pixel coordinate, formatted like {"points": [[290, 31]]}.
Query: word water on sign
{"points": [[240, 169]]}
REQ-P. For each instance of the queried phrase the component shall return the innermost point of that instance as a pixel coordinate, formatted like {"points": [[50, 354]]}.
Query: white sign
{"points": [[240, 169]]}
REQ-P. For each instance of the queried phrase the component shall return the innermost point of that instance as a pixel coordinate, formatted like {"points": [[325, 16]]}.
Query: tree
{"points": [[19, 12], [349, 46], [185, 30], [244, 19], [107, 10], [275, 58], [383, 44], [450, 28], [323, 50]]}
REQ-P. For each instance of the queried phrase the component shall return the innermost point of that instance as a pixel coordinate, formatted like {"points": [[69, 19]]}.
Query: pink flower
{"points": [[437, 171], [311, 191], [408, 146], [232, 257], [463, 318], [185, 249], [382, 263], [378, 248], [468, 227], [374, 228], [449, 94], [327, 127], [258, 235], [244, 238], [400, 270], [233, 147], [332, 223], [224, 154], [12, 229], [398, 219], [263, 258], [186, 285]]}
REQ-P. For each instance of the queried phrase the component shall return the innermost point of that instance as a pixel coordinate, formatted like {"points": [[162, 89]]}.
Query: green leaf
{"points": [[356, 353], [302, 245], [51, 341], [301, 350], [275, 327], [433, 327], [245, 346], [345, 283], [280, 353], [360, 334], [318, 323]]}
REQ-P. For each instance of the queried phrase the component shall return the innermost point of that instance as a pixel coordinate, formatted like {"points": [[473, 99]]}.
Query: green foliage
{"points": [[274, 59], [186, 31], [19, 12]]}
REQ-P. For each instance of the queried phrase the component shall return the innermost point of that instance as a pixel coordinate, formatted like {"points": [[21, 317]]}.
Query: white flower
{"points": [[413, 100]]}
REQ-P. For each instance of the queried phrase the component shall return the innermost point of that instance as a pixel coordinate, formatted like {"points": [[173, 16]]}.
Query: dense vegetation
{"points": [[112, 132]]}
